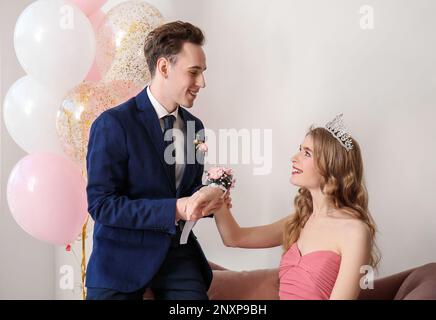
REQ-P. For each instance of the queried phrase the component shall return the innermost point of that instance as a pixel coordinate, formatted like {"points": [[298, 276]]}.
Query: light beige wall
{"points": [[287, 64]]}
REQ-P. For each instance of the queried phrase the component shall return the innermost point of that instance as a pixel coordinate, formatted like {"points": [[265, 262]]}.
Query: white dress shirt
{"points": [[179, 138]]}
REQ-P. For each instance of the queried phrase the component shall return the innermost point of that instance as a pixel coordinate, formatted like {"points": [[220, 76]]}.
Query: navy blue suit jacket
{"points": [[132, 195]]}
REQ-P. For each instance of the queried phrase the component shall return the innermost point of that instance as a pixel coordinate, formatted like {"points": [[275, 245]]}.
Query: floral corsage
{"points": [[220, 177]]}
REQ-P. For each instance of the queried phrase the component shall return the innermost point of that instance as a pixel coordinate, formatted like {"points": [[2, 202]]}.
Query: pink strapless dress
{"points": [[308, 277]]}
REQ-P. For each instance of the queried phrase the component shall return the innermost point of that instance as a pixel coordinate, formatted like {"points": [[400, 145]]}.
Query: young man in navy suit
{"points": [[139, 193]]}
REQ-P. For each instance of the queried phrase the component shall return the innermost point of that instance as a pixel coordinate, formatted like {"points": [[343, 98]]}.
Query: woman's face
{"points": [[303, 170]]}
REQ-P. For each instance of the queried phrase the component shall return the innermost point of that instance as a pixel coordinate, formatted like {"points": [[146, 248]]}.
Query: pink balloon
{"points": [[46, 194], [93, 74], [88, 7], [105, 46], [96, 20]]}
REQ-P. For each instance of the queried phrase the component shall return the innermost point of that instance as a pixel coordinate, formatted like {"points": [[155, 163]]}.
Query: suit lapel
{"points": [[149, 119], [190, 163]]}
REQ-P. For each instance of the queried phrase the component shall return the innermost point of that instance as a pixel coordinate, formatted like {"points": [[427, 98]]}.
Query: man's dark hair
{"points": [[167, 41]]}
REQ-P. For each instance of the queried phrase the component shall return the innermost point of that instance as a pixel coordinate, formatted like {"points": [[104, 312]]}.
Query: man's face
{"points": [[185, 76]]}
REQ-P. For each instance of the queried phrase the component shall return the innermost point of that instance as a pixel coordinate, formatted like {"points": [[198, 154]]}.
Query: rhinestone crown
{"points": [[337, 128]]}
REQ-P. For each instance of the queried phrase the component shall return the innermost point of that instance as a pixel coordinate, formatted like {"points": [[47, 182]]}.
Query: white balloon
{"points": [[55, 43], [29, 112]]}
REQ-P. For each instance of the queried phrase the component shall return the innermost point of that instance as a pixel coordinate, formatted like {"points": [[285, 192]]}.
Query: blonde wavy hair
{"points": [[342, 182]]}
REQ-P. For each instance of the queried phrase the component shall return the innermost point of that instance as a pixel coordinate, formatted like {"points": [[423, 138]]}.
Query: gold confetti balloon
{"points": [[120, 41], [81, 106]]}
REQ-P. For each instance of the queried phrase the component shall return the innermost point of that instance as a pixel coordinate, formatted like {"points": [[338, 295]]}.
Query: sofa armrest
{"points": [[385, 288], [262, 284], [420, 284]]}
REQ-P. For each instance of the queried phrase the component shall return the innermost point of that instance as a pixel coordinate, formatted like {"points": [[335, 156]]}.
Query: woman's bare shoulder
{"points": [[349, 227]]}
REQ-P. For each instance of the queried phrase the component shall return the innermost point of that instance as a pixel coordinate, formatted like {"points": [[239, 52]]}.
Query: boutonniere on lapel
{"points": [[199, 144]]}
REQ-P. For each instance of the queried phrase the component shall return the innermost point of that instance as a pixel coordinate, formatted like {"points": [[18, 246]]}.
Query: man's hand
{"points": [[210, 193], [202, 203], [191, 208], [207, 198], [217, 202]]}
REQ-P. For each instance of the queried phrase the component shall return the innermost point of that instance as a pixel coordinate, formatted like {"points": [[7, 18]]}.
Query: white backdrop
{"points": [[283, 65], [287, 64]]}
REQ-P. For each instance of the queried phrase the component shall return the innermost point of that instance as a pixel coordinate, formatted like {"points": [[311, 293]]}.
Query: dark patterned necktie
{"points": [[168, 125]]}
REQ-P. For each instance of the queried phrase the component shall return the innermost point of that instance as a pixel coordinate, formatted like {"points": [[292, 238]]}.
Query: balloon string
{"points": [[83, 264]]}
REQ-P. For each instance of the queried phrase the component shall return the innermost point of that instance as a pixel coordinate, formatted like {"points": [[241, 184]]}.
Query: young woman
{"points": [[331, 233]]}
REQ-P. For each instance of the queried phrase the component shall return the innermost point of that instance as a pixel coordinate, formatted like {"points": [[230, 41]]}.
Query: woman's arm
{"points": [[355, 252], [233, 235]]}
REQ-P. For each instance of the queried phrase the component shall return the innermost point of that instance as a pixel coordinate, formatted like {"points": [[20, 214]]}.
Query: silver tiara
{"points": [[337, 128]]}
